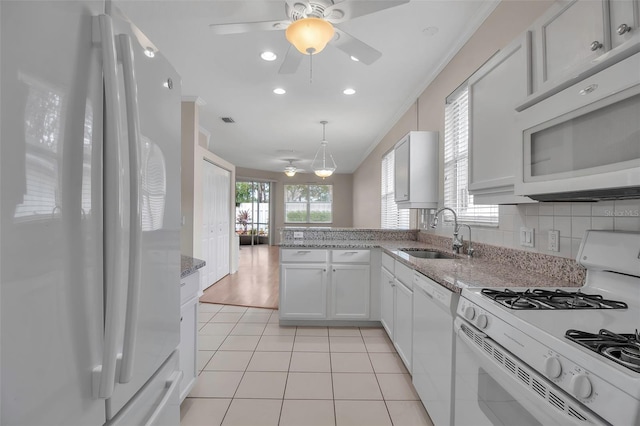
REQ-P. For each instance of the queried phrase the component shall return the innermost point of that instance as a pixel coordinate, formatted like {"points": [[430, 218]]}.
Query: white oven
{"points": [[554, 355], [493, 387], [584, 142]]}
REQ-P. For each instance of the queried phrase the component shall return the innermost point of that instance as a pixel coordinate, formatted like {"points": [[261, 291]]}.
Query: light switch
{"points": [[298, 234], [553, 240], [526, 237]]}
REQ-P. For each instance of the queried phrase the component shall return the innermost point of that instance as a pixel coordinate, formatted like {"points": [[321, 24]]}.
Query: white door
{"points": [[216, 204], [387, 300], [403, 323], [51, 294], [350, 291], [303, 291]]}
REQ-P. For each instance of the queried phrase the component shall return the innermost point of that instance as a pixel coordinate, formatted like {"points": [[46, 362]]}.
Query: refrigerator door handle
{"points": [[125, 53], [104, 375]]}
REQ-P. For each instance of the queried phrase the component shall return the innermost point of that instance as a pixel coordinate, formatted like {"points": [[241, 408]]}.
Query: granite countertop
{"points": [[454, 274], [189, 265]]}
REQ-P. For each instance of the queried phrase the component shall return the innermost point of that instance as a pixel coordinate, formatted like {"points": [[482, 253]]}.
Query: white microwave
{"points": [[583, 143]]}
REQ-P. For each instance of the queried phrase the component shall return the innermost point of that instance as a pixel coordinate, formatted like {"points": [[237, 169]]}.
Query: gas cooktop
{"points": [[623, 349], [531, 299]]}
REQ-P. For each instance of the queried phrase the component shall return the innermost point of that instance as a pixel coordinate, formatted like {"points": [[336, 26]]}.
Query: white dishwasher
{"points": [[434, 309]]}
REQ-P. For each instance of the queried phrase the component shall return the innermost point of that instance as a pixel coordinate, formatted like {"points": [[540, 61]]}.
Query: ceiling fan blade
{"points": [[245, 27], [345, 10], [356, 48], [291, 61]]}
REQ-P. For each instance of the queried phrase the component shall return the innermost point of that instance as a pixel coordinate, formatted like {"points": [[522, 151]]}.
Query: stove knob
{"points": [[482, 321], [469, 313], [552, 367], [581, 386]]}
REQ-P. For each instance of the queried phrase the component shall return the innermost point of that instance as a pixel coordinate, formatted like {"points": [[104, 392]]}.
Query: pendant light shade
{"points": [[323, 164], [290, 170], [310, 35]]}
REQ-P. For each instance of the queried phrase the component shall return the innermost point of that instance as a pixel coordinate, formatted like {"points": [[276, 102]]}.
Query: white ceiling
{"points": [[227, 73]]}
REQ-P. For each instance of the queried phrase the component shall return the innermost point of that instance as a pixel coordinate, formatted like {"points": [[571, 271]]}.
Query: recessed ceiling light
{"points": [[149, 52], [268, 56], [349, 91], [279, 91], [353, 58]]}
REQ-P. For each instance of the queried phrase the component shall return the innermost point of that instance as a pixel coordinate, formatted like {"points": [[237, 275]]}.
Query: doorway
{"points": [[253, 212]]}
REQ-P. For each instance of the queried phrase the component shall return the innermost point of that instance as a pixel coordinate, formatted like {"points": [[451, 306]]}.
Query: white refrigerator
{"points": [[89, 219]]}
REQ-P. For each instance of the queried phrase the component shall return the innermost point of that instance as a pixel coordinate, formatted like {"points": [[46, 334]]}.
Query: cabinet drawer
{"points": [[303, 255], [350, 256], [404, 274], [387, 262], [189, 286]]}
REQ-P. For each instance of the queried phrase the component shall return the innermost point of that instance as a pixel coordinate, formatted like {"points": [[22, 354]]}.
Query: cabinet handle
{"points": [[304, 251], [596, 45], [334, 270], [623, 28]]}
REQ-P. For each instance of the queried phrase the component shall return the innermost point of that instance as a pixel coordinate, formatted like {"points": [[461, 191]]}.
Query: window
{"points": [[456, 160], [308, 203], [390, 216]]}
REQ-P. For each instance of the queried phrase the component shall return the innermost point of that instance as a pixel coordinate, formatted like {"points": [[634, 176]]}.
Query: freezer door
{"points": [[158, 402], [152, 327], [51, 300]]}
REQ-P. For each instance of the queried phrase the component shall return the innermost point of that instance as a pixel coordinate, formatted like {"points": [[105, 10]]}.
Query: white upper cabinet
{"points": [[576, 39], [416, 171], [494, 135]]}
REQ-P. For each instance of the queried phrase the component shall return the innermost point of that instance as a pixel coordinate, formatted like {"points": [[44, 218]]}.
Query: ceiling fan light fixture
{"points": [[323, 167], [310, 35], [290, 170]]}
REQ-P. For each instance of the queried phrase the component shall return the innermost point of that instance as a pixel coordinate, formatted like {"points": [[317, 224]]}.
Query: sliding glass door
{"points": [[253, 212]]}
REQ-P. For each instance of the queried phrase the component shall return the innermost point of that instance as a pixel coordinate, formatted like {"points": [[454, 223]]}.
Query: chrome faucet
{"points": [[457, 241], [470, 249]]}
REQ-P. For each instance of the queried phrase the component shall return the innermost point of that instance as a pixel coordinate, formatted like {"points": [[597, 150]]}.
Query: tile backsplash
{"points": [[570, 219]]}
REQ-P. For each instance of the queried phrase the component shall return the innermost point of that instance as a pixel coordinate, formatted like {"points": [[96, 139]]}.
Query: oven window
{"points": [[604, 137], [499, 405]]}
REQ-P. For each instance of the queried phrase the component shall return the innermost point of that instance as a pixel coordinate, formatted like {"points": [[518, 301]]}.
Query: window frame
{"points": [[456, 165], [309, 204], [390, 216]]}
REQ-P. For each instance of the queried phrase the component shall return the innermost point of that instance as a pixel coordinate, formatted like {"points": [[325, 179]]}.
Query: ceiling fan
{"points": [[323, 15]]}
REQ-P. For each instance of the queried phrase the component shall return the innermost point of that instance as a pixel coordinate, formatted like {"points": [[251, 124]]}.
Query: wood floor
{"points": [[255, 284]]}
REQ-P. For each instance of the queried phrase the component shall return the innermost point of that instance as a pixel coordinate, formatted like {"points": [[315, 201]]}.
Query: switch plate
{"points": [[298, 234], [526, 237], [553, 240]]}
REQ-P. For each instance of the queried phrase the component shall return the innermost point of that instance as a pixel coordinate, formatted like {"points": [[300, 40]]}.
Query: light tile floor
{"points": [[255, 372]]}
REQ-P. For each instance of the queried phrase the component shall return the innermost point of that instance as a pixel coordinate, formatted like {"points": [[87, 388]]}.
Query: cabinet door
{"points": [[403, 323], [572, 35], [494, 135], [187, 347], [387, 301], [350, 291], [624, 16], [401, 170], [303, 291]]}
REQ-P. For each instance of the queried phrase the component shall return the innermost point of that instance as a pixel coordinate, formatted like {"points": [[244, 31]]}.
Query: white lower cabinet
{"points": [[396, 306], [403, 322], [387, 300], [318, 284], [303, 291], [189, 287]]}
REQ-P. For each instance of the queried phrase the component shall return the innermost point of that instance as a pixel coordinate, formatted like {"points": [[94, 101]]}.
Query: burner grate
{"points": [[623, 349], [550, 299]]}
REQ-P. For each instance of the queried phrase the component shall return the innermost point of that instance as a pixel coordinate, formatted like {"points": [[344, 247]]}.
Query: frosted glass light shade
{"points": [[309, 35]]}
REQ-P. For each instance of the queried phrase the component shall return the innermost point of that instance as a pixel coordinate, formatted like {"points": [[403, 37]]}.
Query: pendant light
{"points": [[323, 167], [290, 170]]}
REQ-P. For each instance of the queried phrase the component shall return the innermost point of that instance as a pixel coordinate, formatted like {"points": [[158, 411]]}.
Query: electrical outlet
{"points": [[298, 234], [553, 240], [526, 237]]}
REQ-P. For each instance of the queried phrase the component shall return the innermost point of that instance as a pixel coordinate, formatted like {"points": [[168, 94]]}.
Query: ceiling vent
{"points": [[227, 119]]}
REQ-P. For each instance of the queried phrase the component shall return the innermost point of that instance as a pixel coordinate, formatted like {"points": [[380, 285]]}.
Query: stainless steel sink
{"points": [[427, 254]]}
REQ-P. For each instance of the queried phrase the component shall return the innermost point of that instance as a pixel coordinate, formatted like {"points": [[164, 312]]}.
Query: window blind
{"points": [[390, 216], [456, 164]]}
